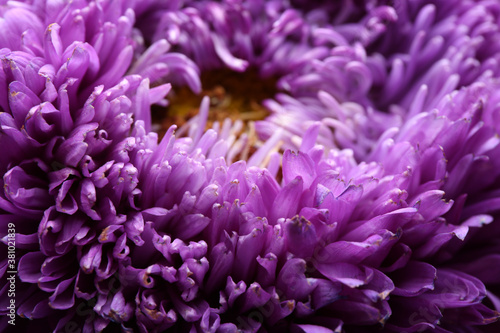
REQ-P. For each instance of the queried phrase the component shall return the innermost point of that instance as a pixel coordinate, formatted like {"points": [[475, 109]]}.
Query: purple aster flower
{"points": [[413, 217], [67, 116], [74, 40], [361, 89], [337, 245], [70, 203], [307, 49], [117, 231], [85, 45], [461, 139], [229, 34]]}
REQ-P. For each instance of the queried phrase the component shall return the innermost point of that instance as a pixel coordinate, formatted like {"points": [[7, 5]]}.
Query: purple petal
{"points": [[286, 202], [221, 260], [301, 236], [298, 164], [348, 274], [414, 279], [454, 289], [254, 297], [247, 249], [29, 267], [63, 297], [293, 282]]}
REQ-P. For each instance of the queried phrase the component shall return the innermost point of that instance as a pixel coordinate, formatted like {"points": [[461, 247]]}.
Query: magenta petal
{"points": [[25, 190], [298, 164], [398, 257], [247, 249], [91, 259], [21, 100], [142, 105], [106, 266], [36, 306], [254, 202], [227, 328], [120, 308], [118, 67], [478, 314], [268, 188], [74, 148], [27, 242], [301, 236], [359, 312], [342, 251], [77, 64], [198, 268], [266, 271], [414, 279], [342, 206], [390, 221], [221, 260], [286, 202], [278, 309], [63, 296], [87, 199], [222, 51], [441, 237], [293, 281], [234, 290], [134, 227], [310, 137], [325, 293], [432, 205], [254, 297], [418, 327], [70, 229], [38, 124], [191, 225], [29, 266], [379, 288], [210, 322], [53, 44], [207, 198], [57, 178], [345, 273], [454, 289], [305, 328]]}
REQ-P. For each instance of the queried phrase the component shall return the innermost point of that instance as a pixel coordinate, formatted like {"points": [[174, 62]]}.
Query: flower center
{"points": [[232, 95]]}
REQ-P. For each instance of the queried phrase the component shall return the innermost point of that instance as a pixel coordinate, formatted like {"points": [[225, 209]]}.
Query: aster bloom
{"points": [[448, 160], [79, 46], [306, 49], [62, 200], [119, 231], [429, 50], [445, 232], [66, 133], [337, 245], [338, 241], [67, 37], [236, 34]]}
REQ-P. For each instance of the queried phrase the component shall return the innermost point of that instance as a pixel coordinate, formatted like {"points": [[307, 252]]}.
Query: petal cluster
{"points": [[378, 211]]}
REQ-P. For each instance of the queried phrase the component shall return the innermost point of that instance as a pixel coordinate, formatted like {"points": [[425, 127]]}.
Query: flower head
{"points": [[385, 223]]}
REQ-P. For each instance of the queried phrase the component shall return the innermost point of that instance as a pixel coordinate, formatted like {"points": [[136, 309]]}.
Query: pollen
{"points": [[233, 95]]}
